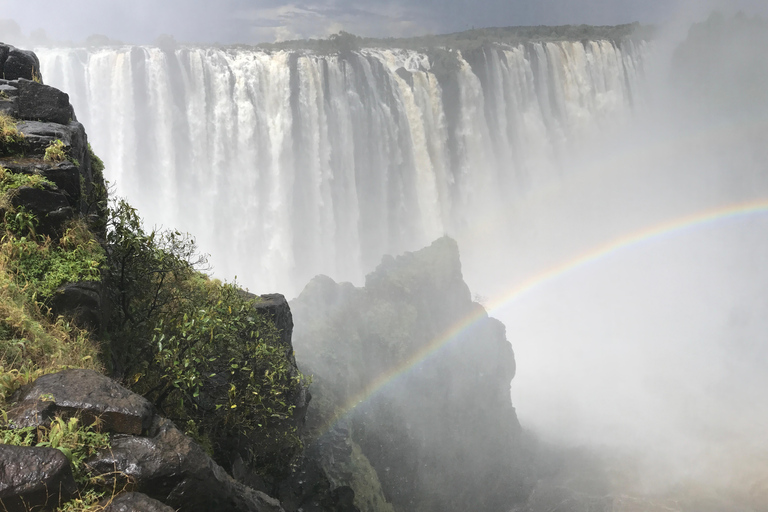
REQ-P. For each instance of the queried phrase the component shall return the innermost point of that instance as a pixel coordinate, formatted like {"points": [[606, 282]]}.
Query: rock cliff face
{"points": [[435, 421]]}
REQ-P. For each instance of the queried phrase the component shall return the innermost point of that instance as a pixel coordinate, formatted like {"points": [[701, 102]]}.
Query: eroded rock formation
{"points": [[422, 374]]}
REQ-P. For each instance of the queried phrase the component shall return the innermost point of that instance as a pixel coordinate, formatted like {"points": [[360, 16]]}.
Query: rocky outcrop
{"points": [[44, 116], [423, 376], [82, 302], [85, 393], [148, 453], [16, 63], [170, 467], [33, 478]]}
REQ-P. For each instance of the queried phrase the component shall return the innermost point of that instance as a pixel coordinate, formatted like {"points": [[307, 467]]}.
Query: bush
{"points": [[196, 347], [55, 152], [10, 136]]}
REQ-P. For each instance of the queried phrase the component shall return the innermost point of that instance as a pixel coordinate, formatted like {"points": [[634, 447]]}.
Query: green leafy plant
{"points": [[77, 442], [55, 152], [195, 347]]}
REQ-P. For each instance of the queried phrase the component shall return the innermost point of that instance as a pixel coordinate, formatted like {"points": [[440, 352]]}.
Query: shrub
{"points": [[10, 136], [55, 152], [196, 347]]}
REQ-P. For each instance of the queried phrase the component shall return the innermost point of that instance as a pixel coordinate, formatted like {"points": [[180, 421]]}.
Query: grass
{"points": [[55, 152], [10, 135], [31, 268]]}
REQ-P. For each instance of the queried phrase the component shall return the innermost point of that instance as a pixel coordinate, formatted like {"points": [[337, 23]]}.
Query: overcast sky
{"points": [[254, 21]]}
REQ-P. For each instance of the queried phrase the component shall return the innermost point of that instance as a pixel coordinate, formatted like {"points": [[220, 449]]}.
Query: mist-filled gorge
{"points": [[602, 192]]}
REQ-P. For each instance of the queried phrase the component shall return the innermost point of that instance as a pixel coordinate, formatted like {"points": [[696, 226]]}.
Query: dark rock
{"points": [[172, 468], [317, 483], [19, 64], [79, 301], [86, 393], [39, 135], [443, 435], [134, 502], [70, 175], [38, 102], [33, 478], [405, 75], [49, 206], [277, 309]]}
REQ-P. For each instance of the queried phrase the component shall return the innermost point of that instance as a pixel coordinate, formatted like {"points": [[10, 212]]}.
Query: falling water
{"points": [[289, 164]]}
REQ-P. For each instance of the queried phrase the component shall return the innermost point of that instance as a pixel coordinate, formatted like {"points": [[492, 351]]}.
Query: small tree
{"points": [[196, 347]]}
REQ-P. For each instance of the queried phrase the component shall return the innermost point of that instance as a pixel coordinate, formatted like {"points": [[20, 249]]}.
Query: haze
{"points": [[257, 21]]}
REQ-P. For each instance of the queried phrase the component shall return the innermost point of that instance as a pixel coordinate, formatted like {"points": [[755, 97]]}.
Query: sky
{"points": [[257, 21]]}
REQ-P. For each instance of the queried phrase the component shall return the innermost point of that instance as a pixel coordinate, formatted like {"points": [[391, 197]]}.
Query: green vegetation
{"points": [[10, 136], [32, 267], [196, 347], [77, 442], [55, 152]]}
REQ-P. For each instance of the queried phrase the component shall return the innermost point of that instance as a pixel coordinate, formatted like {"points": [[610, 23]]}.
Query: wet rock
{"points": [[39, 135], [277, 309], [79, 301], [33, 478], [38, 102], [49, 206], [85, 393], [135, 502], [170, 467], [317, 483], [16, 63]]}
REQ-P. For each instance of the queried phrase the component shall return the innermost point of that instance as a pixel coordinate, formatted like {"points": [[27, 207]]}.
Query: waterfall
{"points": [[287, 164]]}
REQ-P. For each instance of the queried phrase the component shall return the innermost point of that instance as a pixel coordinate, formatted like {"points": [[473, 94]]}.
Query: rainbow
{"points": [[722, 213]]}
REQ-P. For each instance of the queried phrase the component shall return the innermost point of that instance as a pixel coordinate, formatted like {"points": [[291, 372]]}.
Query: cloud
{"points": [[321, 19], [254, 21]]}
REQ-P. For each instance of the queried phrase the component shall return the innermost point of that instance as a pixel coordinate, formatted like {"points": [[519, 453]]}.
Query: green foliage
{"points": [[31, 269], [55, 152], [197, 348], [77, 442], [10, 181], [97, 164], [10, 136], [369, 496], [43, 266]]}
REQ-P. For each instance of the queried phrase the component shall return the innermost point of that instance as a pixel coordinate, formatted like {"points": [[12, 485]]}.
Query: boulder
{"points": [[170, 467], [86, 393], [134, 502], [49, 206], [79, 301], [39, 135], [16, 63], [33, 478], [38, 102]]}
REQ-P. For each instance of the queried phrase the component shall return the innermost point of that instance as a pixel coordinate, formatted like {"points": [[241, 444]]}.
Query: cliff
{"points": [[435, 419]]}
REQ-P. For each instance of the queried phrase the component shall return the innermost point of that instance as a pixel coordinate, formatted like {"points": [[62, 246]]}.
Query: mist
{"points": [[657, 348]]}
